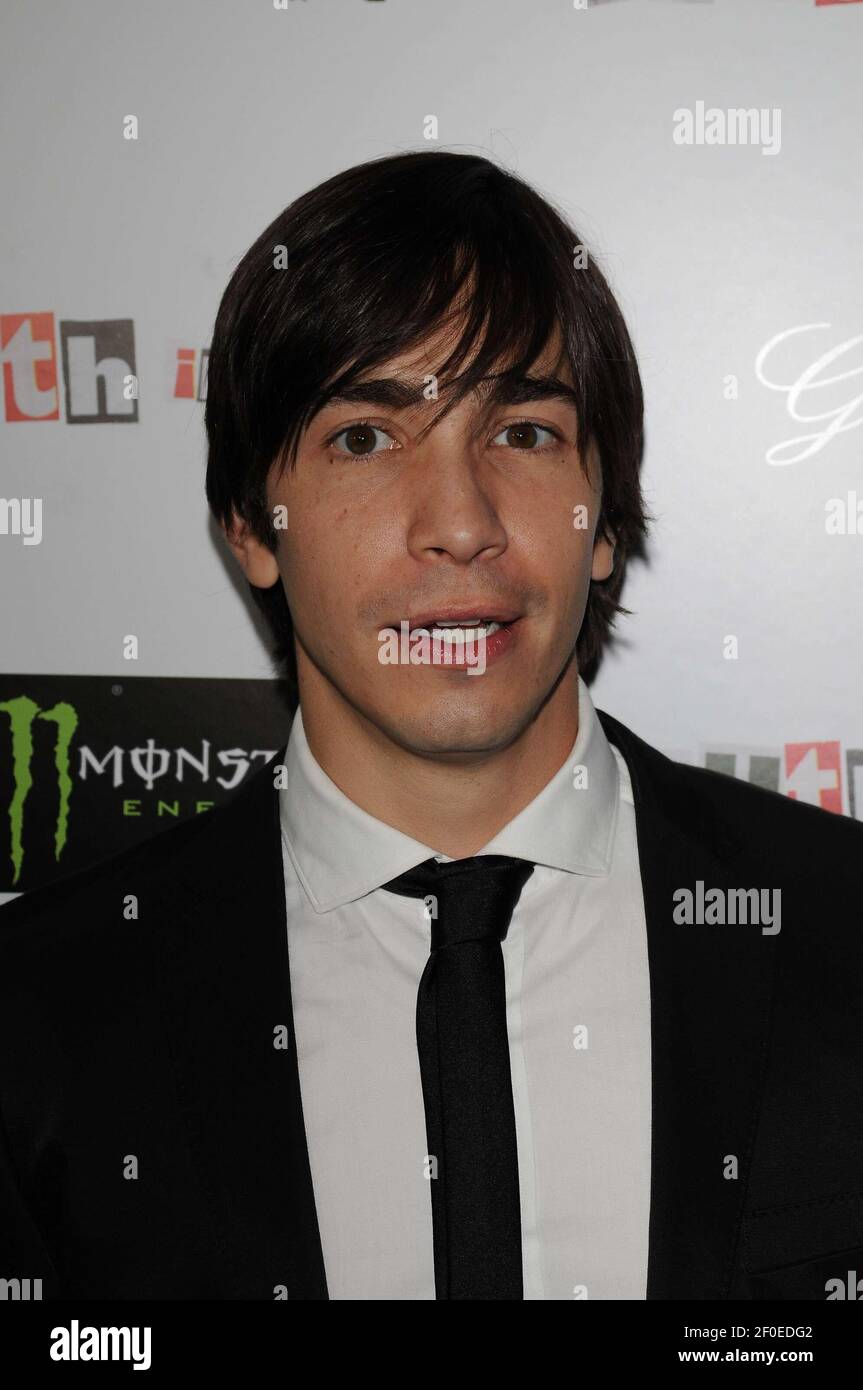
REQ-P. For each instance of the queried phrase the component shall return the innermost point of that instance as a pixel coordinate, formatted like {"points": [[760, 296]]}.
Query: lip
{"points": [[494, 648], [477, 610]]}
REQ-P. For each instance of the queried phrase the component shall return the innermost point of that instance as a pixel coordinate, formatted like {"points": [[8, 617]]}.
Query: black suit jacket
{"points": [[149, 1042]]}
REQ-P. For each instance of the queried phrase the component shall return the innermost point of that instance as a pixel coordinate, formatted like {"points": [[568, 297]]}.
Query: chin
{"points": [[454, 726]]}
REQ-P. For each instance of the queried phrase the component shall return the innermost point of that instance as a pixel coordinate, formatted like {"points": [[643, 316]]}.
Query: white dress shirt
{"points": [[575, 959]]}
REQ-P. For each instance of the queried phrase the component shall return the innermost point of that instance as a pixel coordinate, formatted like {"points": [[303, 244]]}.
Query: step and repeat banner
{"points": [[90, 765], [708, 151]]}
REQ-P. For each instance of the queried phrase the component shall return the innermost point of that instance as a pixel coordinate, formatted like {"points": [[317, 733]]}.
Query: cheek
{"points": [[322, 562], [556, 542]]}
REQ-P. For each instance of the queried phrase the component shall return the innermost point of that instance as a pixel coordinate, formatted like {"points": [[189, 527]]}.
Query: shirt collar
{"points": [[341, 853]]}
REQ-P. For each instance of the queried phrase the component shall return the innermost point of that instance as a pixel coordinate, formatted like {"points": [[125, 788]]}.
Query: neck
{"points": [[454, 804]]}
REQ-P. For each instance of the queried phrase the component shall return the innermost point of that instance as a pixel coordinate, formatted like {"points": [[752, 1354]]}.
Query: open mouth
{"points": [[461, 636], [474, 630]]}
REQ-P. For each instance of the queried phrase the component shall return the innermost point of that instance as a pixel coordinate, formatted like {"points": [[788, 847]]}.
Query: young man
{"points": [[470, 994]]}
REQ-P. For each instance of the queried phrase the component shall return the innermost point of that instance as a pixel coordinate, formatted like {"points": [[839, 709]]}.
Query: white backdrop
{"points": [[713, 250]]}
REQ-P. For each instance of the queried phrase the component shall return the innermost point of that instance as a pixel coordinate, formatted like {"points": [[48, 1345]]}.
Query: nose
{"points": [[452, 506]]}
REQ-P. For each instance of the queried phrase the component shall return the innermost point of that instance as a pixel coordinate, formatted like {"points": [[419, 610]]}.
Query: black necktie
{"points": [[464, 1064]]}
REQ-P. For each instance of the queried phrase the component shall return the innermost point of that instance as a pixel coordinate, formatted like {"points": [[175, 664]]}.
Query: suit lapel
{"points": [[227, 990], [710, 989]]}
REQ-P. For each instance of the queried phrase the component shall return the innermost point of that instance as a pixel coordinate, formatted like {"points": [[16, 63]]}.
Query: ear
{"points": [[603, 557], [256, 560]]}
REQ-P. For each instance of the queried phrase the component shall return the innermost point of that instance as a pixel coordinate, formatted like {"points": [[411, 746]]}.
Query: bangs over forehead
{"points": [[379, 259], [466, 303]]}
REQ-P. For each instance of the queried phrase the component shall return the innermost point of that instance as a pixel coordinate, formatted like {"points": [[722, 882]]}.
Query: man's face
{"points": [[479, 518]]}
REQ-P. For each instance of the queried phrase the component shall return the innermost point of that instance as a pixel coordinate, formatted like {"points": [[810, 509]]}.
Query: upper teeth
{"points": [[456, 631]]}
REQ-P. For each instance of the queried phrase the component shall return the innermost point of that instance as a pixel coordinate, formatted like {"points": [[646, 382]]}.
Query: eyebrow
{"points": [[396, 393]]}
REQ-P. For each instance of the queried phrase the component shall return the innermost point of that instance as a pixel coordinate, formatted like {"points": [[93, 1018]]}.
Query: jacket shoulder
{"points": [[761, 809], [83, 906], [148, 859], [769, 823]]}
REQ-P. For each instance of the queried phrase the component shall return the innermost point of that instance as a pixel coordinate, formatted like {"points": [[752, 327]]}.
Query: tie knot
{"points": [[471, 899]]}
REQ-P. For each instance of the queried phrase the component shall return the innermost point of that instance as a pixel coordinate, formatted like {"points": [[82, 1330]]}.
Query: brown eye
{"points": [[524, 434], [360, 440]]}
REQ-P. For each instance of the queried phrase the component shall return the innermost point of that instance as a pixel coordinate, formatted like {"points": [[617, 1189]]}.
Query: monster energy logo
{"points": [[22, 712]]}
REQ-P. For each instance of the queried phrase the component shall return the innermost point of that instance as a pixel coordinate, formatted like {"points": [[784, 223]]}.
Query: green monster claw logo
{"points": [[22, 712]]}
